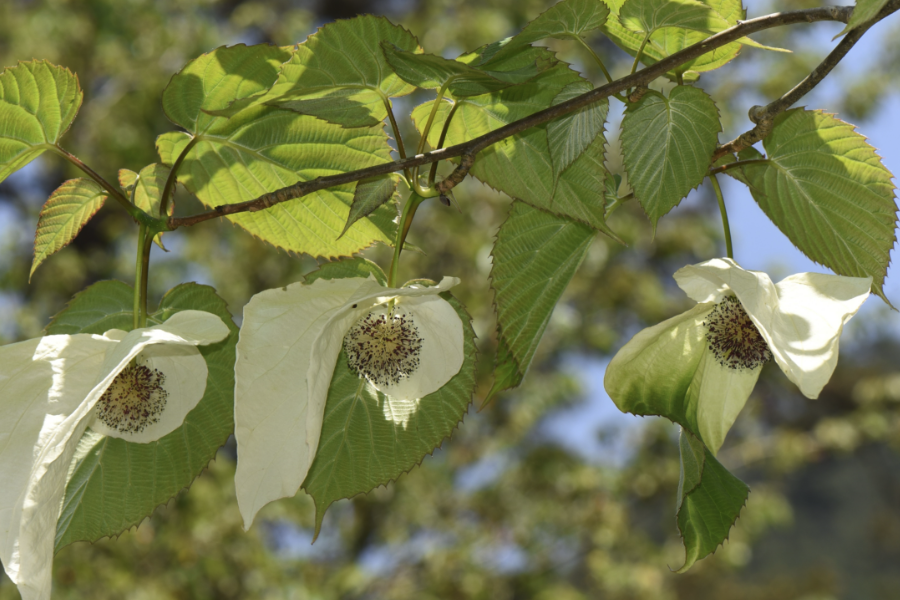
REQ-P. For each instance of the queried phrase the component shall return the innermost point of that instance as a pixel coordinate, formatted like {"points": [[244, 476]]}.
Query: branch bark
{"points": [[641, 78]]}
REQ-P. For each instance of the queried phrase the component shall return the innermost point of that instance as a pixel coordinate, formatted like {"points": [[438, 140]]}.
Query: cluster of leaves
{"points": [[256, 119]]}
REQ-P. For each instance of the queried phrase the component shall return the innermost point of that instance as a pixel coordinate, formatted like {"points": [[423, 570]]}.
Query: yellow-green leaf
{"points": [[38, 102], [67, 210]]}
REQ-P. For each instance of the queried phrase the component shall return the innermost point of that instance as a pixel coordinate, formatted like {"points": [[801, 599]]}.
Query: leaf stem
{"points": [[169, 188], [110, 189], [400, 149], [141, 270], [406, 219], [729, 250], [434, 166], [600, 64], [736, 164], [637, 57], [617, 203], [427, 129]]}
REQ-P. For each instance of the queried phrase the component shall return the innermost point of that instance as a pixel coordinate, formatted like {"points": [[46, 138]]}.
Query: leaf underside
{"points": [[38, 102], [667, 144], [535, 256], [826, 189], [369, 440], [65, 213], [115, 484]]}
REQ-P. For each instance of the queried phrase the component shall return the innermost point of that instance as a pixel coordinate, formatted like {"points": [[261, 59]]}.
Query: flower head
{"points": [[137, 385], [698, 368], [406, 342]]}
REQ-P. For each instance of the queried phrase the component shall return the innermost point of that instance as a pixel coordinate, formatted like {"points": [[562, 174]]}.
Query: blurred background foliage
{"points": [[548, 493]]}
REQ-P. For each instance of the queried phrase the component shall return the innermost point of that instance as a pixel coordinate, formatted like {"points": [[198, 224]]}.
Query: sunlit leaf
{"points": [[146, 188], [667, 144], [115, 484], [343, 54], [571, 135], [262, 149], [521, 165], [826, 189], [38, 102], [709, 500], [535, 256], [369, 439], [68, 209], [569, 18], [865, 11], [646, 16], [347, 269]]}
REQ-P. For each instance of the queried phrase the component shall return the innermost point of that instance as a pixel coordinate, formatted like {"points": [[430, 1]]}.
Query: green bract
{"points": [[50, 389], [288, 348], [680, 370]]}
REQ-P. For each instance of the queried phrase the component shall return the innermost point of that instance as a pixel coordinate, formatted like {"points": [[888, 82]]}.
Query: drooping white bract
{"points": [[49, 391], [698, 368], [289, 345]]}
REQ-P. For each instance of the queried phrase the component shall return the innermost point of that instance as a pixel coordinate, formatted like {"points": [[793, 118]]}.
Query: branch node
{"points": [[757, 113], [638, 93]]}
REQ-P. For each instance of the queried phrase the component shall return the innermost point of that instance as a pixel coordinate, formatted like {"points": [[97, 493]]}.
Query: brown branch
{"points": [[476, 145], [764, 116]]}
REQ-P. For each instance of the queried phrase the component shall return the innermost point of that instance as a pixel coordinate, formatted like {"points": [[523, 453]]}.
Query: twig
{"points": [[476, 145], [764, 116]]}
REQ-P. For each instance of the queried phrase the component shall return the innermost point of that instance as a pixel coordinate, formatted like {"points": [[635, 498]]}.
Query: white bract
{"points": [[51, 390], [699, 367], [406, 342]]}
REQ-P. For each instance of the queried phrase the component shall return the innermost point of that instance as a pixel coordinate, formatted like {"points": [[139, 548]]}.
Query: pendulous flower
{"points": [[406, 342], [698, 368], [138, 386]]}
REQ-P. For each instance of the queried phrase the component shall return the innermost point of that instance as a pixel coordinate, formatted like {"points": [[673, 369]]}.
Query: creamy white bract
{"points": [[671, 369], [49, 390], [289, 345]]}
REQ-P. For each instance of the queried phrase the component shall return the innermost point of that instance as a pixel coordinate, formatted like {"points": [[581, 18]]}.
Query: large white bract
{"points": [[289, 345], [698, 368], [49, 391]]}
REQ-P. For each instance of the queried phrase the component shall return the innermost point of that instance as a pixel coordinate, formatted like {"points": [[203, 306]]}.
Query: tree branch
{"points": [[476, 145], [764, 116]]}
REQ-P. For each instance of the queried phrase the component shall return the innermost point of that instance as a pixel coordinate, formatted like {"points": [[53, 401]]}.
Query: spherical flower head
{"points": [[405, 342], [138, 386], [384, 346], [698, 368]]}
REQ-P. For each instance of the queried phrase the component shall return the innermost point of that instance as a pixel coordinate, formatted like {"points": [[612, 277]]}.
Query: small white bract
{"points": [[406, 342], [54, 388], [699, 367]]}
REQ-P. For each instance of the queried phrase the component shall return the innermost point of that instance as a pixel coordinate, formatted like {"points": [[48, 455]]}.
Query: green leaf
{"points": [[667, 144], [521, 166], [38, 102], [865, 11], [569, 18], [429, 71], [347, 107], [343, 54], [571, 135], [369, 439], [347, 269], [371, 194], [669, 40], [646, 16], [68, 209], [826, 189], [115, 484], [262, 149], [709, 500], [146, 188], [535, 256]]}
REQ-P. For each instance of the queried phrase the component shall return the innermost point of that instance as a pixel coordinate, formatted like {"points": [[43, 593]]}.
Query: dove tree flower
{"points": [[698, 368], [406, 342], [138, 386]]}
